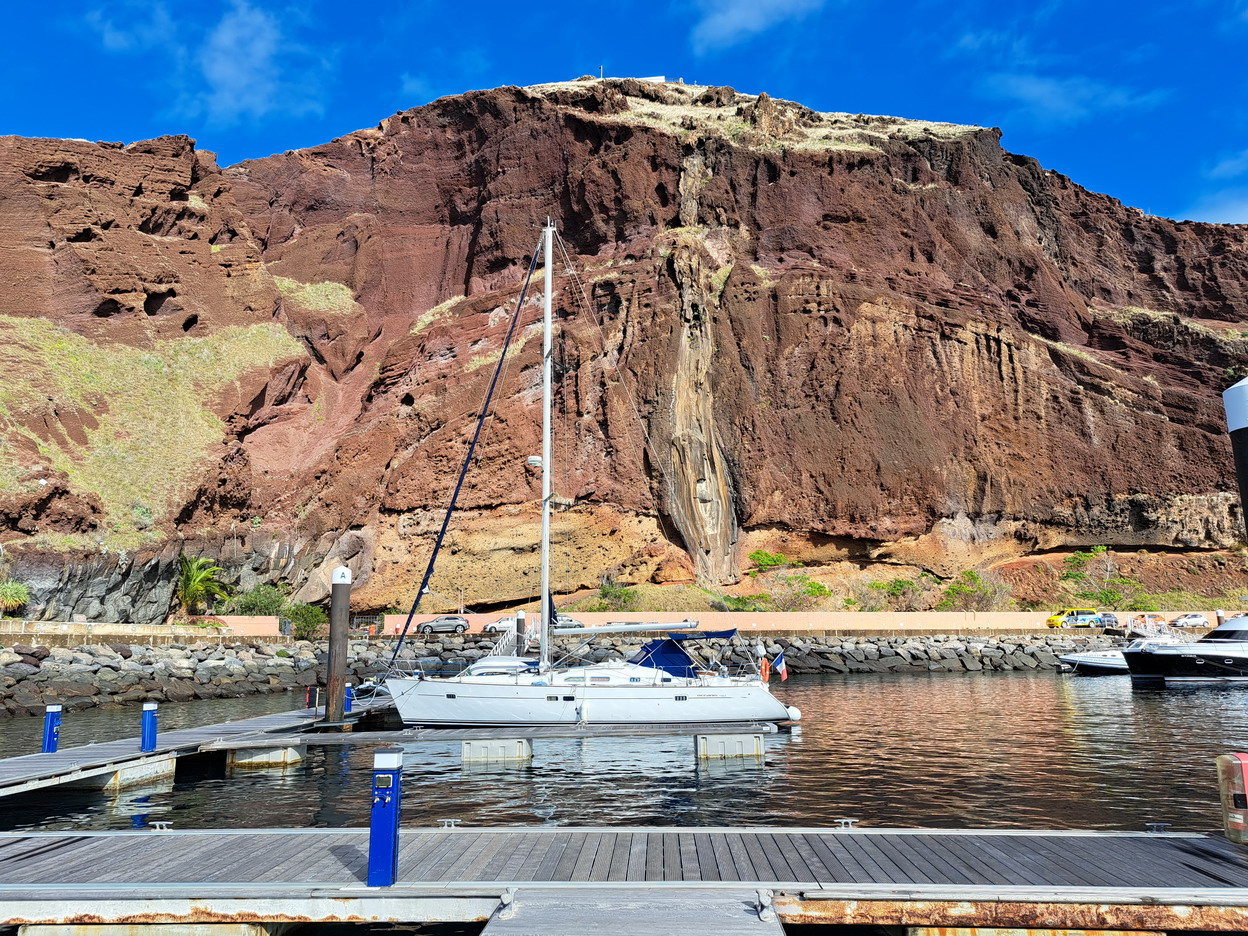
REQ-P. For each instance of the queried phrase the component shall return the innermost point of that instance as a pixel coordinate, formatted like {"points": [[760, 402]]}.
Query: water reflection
{"points": [[1031, 750]]}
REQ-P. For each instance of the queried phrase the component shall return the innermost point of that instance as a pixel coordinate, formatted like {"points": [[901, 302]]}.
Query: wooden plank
{"points": [[818, 871], [758, 858], [841, 865], [724, 864], [618, 869], [654, 856], [917, 867], [546, 868], [689, 867], [457, 870], [567, 863], [428, 868], [524, 846], [708, 867], [1028, 870], [780, 866], [585, 860], [600, 869], [880, 869], [978, 869], [671, 857], [534, 859], [638, 854], [741, 857]]}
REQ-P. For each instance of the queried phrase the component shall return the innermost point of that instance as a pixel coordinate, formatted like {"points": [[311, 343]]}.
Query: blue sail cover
{"points": [[667, 654]]}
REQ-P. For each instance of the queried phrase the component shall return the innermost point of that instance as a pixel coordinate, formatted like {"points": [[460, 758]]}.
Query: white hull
{"points": [[571, 697]]}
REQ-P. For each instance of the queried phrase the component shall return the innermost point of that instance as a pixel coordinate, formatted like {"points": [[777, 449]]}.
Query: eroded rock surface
{"points": [[878, 340]]}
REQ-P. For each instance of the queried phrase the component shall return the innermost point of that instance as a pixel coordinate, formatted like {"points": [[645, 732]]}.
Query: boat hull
{"points": [[452, 702], [1097, 663], [1193, 663]]}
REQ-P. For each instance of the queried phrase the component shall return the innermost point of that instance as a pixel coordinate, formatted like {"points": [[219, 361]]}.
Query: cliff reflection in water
{"points": [[1002, 750]]}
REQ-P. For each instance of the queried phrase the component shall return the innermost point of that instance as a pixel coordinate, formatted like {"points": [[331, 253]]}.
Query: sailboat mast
{"points": [[547, 401]]}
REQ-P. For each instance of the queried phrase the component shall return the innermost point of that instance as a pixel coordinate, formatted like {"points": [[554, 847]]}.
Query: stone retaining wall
{"points": [[124, 674]]}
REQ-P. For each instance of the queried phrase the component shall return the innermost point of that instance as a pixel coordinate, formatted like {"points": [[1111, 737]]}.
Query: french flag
{"points": [[781, 667]]}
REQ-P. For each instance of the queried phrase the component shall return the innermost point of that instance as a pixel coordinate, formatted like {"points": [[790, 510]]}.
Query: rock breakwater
{"points": [[32, 677]]}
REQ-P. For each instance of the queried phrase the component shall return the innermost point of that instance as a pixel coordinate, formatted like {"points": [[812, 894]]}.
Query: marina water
{"points": [[1019, 750]]}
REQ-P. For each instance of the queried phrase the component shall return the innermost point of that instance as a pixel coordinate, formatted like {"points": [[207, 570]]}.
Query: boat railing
{"points": [[1154, 629]]}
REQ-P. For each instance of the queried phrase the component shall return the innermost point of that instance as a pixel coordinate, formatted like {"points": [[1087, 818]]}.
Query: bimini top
{"points": [[667, 654]]}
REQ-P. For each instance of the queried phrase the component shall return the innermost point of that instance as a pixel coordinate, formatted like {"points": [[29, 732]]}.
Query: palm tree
{"points": [[197, 581], [12, 596]]}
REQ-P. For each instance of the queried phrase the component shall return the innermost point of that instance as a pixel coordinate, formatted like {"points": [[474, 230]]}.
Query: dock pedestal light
{"points": [[147, 734], [383, 830], [51, 728], [348, 698], [339, 608]]}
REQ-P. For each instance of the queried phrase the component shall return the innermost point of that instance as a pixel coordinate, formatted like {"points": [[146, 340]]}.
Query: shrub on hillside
{"points": [[308, 622]]}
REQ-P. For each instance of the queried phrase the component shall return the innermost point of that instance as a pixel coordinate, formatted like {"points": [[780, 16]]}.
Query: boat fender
{"points": [[795, 713]]}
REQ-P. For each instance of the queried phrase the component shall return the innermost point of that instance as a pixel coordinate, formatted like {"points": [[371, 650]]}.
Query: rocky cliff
{"points": [[847, 337]]}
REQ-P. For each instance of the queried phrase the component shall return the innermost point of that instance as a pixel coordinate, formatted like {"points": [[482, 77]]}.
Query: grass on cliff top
{"points": [[827, 131], [329, 297], [145, 432]]}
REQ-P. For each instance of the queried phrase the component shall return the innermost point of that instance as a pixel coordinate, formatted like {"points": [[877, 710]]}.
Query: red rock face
{"points": [[866, 338]]}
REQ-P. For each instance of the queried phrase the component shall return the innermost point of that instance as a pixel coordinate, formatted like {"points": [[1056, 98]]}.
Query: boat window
{"points": [[667, 679], [1220, 634], [576, 679], [569, 698], [634, 679], [450, 695], [552, 698], [682, 698]]}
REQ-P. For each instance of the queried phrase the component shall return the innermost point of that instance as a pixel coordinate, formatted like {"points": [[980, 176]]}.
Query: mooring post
{"points": [[383, 830], [147, 734], [521, 636], [348, 698], [51, 728], [339, 608]]}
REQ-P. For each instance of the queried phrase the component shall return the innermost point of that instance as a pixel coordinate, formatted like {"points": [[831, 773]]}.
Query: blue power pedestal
{"points": [[383, 830], [51, 728], [348, 698], [147, 733]]}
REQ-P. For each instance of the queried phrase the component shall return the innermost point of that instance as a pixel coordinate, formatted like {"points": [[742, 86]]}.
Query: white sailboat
{"points": [[661, 684]]}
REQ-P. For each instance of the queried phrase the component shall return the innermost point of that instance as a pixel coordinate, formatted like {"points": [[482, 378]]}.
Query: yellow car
{"points": [[1073, 617]]}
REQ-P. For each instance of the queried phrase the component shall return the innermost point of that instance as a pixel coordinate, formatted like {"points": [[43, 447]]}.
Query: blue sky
{"points": [[1144, 101]]}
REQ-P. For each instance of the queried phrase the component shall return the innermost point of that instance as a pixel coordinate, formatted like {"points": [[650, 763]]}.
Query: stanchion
{"points": [[383, 830], [51, 728], [147, 735]]}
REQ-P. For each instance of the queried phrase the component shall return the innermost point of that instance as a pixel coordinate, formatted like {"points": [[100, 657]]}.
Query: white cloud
{"points": [[1227, 206], [1230, 167], [242, 67], [725, 23], [414, 87], [1054, 102], [131, 27]]}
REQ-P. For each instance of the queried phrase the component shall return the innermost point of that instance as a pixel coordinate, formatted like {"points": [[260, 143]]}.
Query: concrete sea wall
{"points": [[117, 674]]}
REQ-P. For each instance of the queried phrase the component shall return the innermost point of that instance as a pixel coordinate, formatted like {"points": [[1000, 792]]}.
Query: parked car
{"points": [[1067, 616], [1190, 620], [446, 624], [1108, 619], [502, 625], [1147, 620], [562, 620]]}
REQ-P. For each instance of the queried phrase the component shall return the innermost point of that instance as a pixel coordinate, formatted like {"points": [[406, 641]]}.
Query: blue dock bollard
{"points": [[51, 728], [383, 831], [348, 698], [147, 735]]}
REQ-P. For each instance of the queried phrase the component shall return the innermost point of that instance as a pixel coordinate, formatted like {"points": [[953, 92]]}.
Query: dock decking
{"points": [[72, 764], [1171, 881]]}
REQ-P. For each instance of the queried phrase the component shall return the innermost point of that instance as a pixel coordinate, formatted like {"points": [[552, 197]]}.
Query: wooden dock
{"points": [[530, 879], [84, 762]]}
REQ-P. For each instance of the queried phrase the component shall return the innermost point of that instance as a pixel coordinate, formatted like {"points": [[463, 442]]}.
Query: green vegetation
{"points": [[1092, 576], [329, 297], [197, 582], [261, 600], [12, 595], [142, 430], [308, 622], [975, 591], [440, 311], [768, 562]]}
